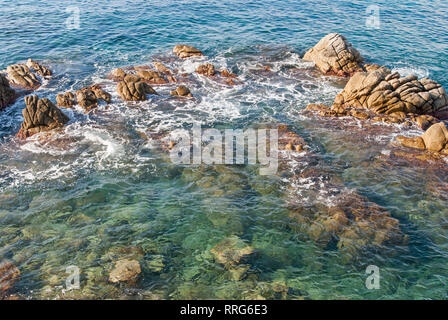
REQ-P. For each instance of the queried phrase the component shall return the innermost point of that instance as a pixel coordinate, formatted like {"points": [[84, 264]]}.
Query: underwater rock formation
{"points": [[125, 271], [40, 115], [7, 94], [336, 216], [9, 275], [334, 55]]}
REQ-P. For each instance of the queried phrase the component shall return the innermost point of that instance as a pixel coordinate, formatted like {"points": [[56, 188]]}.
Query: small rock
{"points": [[230, 251], [117, 74], [182, 91], [417, 142], [206, 69]]}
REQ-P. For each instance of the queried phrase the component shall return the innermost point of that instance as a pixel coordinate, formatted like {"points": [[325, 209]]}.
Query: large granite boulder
{"points": [[184, 51], [132, 88], [151, 76], [7, 94], [66, 100], [9, 275], [40, 115], [21, 76], [334, 55], [383, 91]]}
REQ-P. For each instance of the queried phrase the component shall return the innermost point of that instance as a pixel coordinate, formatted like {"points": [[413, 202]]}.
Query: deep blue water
{"points": [[106, 190]]}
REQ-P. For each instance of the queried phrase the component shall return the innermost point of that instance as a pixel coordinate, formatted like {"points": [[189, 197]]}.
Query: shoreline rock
{"points": [[132, 88], [7, 94], [21, 76], [40, 115], [9, 275], [185, 51], [334, 55], [434, 139], [181, 91]]}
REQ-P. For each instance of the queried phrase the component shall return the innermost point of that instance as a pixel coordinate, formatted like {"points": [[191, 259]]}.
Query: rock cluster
{"points": [[383, 91], [9, 275], [132, 88], [434, 139], [7, 94], [40, 115], [87, 98], [351, 222], [20, 75], [39, 69], [184, 51], [334, 55], [125, 271], [206, 69]]}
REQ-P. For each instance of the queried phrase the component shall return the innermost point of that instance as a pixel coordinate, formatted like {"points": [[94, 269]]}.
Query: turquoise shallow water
{"points": [[100, 192]]}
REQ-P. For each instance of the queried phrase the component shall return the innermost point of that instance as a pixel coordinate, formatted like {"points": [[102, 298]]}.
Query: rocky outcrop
{"points": [[40, 115], [151, 76], [87, 98], [39, 69], [206, 69], [66, 100], [434, 139], [125, 271], [117, 74], [184, 51], [181, 91], [334, 55], [7, 94], [9, 275], [132, 88], [21, 76], [385, 92]]}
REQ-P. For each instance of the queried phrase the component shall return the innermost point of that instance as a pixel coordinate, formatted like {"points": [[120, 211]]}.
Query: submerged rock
{"points": [[7, 94], [125, 271], [132, 88], [9, 275], [333, 54], [382, 91], [181, 91], [21, 76], [184, 51], [231, 251], [40, 115], [39, 69]]}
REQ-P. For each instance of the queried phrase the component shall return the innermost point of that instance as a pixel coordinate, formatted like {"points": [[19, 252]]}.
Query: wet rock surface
{"points": [[181, 91], [39, 69], [40, 115], [7, 94], [132, 88], [21, 76], [434, 139], [334, 55], [185, 51]]}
